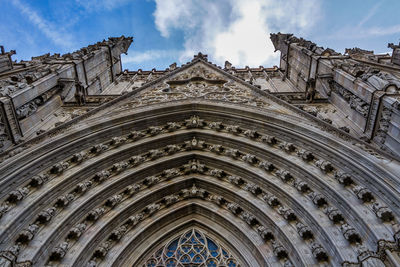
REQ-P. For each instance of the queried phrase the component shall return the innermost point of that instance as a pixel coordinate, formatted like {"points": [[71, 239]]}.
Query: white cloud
{"points": [[54, 33], [236, 30], [370, 14], [352, 33], [93, 5], [149, 55]]}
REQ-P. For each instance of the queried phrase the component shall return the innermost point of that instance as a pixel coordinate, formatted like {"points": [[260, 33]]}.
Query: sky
{"points": [[167, 31]]}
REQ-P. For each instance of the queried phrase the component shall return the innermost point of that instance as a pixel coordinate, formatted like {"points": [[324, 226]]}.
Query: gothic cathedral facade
{"points": [[200, 164]]}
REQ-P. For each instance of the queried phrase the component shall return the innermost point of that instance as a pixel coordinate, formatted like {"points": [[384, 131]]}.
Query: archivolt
{"points": [[281, 181]]}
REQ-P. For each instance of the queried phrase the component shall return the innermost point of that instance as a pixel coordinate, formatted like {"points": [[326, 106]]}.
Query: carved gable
{"points": [[198, 81]]}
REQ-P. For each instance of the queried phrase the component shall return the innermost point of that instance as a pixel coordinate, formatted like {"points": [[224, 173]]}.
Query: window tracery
{"points": [[192, 248]]}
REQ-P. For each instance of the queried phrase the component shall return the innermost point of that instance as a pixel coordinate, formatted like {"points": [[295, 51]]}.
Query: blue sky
{"points": [[167, 31]]}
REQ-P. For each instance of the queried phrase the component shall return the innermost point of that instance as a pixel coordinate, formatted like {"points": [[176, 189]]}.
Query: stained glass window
{"points": [[192, 248]]}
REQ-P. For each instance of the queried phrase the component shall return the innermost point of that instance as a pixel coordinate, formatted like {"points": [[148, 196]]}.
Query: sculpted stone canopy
{"points": [[199, 166]]}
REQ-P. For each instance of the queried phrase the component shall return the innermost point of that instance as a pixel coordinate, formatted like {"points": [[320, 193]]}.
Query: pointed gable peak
{"points": [[200, 56]]}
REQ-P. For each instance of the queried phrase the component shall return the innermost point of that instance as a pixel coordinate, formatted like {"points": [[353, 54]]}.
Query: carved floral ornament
{"points": [[319, 200]]}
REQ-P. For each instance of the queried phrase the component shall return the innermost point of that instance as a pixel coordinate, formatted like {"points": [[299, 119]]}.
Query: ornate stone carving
{"points": [[98, 148], [287, 213], [152, 208], [136, 160], [101, 251], [363, 193], [171, 149], [216, 149], [46, 215], [119, 167], [59, 252], [173, 126], [253, 188], [77, 231], [8, 258], [251, 134], [236, 180], [39, 180], [113, 201], [305, 155], [219, 200], [233, 153], [135, 219], [384, 123], [171, 173], [350, 233], [95, 214], [3, 209], [251, 159], [154, 130], [82, 187], [151, 180], [194, 166], [63, 201], [79, 157], [265, 233], [318, 199], [17, 195], [170, 199], [118, 233], [217, 173], [248, 218], [319, 252], [268, 166], [233, 129], [271, 140], [382, 212], [334, 214], [59, 167], [155, 154], [279, 250], [194, 192], [287, 146], [135, 135], [117, 141], [284, 175], [27, 235], [343, 178], [101, 176], [304, 231], [216, 125], [234, 208], [324, 165], [194, 122], [301, 186], [271, 199], [130, 190], [354, 101], [194, 144]]}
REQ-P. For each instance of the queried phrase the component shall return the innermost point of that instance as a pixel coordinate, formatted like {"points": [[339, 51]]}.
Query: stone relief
{"points": [[354, 101], [198, 82], [196, 166]]}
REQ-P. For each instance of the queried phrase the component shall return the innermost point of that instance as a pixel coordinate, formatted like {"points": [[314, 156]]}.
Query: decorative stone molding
{"points": [[363, 193], [383, 212], [343, 178], [350, 233], [354, 101], [304, 231]]}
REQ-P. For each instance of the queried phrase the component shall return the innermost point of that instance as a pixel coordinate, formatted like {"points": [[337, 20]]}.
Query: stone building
{"points": [[200, 165]]}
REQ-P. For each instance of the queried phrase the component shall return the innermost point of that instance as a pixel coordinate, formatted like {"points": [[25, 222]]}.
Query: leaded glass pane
{"points": [[192, 248]]}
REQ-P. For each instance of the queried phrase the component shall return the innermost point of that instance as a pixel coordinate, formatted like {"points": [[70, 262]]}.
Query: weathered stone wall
{"points": [[359, 84], [38, 88]]}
